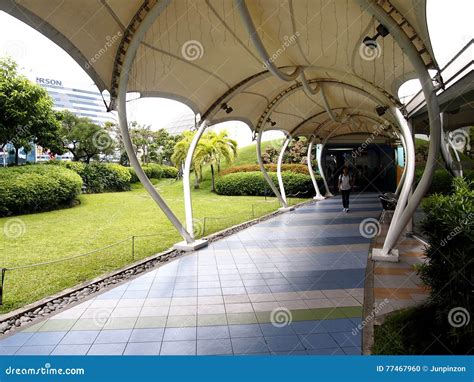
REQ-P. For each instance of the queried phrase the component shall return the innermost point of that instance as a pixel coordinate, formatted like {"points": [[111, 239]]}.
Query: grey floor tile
{"points": [[35, 350], [17, 339], [8, 350], [143, 348], [347, 339], [214, 347], [107, 349], [249, 345], [178, 348], [308, 327], [246, 330], [113, 336], [270, 330], [78, 337], [352, 350], [317, 341], [180, 334], [147, 335], [212, 332], [71, 350], [45, 338], [284, 343], [327, 351]]}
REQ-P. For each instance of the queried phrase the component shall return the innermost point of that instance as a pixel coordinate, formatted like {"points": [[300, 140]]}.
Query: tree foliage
{"points": [[27, 115], [83, 138]]}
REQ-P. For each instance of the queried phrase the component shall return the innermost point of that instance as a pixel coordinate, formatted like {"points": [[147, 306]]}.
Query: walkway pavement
{"points": [[289, 285]]}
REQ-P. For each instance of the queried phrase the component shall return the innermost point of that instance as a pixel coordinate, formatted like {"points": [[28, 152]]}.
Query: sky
{"points": [[449, 22]]}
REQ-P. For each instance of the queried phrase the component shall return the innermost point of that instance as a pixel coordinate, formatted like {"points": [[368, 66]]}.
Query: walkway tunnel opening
{"points": [[373, 166]]}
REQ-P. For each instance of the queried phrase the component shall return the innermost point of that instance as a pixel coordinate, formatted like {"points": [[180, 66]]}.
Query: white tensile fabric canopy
{"points": [[199, 52]]}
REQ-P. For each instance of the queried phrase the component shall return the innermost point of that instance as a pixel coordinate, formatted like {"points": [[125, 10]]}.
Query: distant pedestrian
{"points": [[346, 182]]}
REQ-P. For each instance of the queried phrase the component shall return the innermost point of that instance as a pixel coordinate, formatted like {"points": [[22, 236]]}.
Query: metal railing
{"points": [[455, 69]]}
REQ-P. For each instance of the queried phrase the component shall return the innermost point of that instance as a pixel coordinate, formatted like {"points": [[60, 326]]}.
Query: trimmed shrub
{"points": [[133, 175], [37, 188], [169, 172], [271, 167], [108, 177], [449, 271], [155, 171], [253, 183]]}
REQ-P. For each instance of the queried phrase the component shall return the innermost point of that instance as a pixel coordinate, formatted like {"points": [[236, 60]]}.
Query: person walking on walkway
{"points": [[346, 182]]}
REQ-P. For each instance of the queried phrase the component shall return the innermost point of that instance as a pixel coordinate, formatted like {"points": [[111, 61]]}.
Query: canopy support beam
{"points": [[446, 144], [286, 142], [128, 60], [264, 171], [188, 206], [403, 177], [433, 113], [318, 196], [321, 171]]}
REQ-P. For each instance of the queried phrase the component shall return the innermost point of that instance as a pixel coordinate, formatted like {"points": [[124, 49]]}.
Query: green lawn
{"points": [[101, 220]]}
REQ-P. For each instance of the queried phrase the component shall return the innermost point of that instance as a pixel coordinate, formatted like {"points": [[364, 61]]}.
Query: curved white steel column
{"points": [[321, 171], [402, 179], [265, 174], [280, 162], [311, 171], [384, 254], [433, 113], [188, 204], [122, 115]]}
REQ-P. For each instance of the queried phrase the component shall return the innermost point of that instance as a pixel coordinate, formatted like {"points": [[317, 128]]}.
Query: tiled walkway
{"points": [[290, 285]]}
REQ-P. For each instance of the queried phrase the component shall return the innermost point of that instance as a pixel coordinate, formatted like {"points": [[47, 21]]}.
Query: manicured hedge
{"points": [[106, 177], [154, 171], [272, 167], [37, 188], [99, 177], [253, 183]]}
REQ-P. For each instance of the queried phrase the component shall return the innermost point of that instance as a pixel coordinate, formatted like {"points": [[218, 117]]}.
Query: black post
{"points": [[2, 280]]}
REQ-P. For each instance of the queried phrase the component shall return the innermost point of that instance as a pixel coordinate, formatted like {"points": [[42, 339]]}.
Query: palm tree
{"points": [[212, 149]]}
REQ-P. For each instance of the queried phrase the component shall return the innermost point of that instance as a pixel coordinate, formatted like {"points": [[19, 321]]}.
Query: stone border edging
{"points": [[33, 313]]}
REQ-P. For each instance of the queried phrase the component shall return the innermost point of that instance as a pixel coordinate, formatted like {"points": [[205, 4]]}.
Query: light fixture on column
{"points": [[272, 123], [228, 109], [381, 110], [371, 42]]}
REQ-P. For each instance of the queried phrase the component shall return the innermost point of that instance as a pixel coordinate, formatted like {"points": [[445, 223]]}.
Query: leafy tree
{"points": [[179, 154], [27, 115], [83, 138]]}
